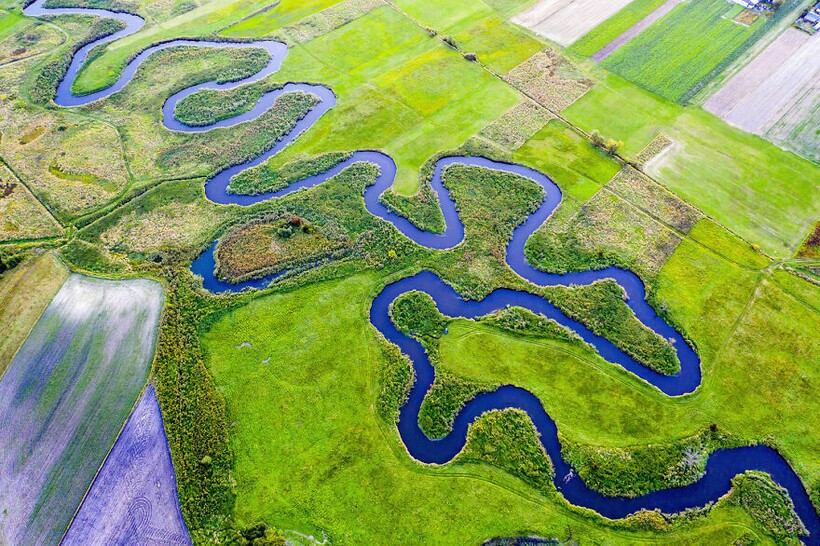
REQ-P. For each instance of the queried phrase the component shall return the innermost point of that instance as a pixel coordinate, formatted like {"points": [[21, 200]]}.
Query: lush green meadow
{"points": [[279, 405], [312, 455]]}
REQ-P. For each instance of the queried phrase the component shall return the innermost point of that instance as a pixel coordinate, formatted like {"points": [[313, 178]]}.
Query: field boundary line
{"points": [[40, 202], [736, 324], [107, 454], [681, 234], [796, 298]]}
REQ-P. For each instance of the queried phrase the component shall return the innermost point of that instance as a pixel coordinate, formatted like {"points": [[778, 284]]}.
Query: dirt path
{"points": [[636, 29]]}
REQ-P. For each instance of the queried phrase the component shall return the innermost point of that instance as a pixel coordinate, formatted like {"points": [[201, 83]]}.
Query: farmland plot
{"points": [[776, 94], [65, 397], [687, 48], [134, 497], [565, 21]]}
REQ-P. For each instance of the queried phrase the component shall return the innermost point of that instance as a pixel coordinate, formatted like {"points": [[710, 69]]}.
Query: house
{"points": [[810, 21]]}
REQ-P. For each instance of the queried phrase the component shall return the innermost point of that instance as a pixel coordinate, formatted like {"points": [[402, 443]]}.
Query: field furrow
{"points": [[65, 397]]}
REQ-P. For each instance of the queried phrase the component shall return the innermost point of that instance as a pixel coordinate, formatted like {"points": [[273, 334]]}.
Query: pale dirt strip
{"points": [[565, 21], [636, 29], [767, 87]]}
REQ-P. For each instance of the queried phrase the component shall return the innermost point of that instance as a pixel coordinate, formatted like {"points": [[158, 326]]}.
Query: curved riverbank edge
{"points": [[721, 466]]}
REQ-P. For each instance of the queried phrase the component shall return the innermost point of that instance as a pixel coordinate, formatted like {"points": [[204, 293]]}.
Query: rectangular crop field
{"points": [[613, 27], [776, 95], [565, 21], [679, 54], [65, 397], [766, 195]]}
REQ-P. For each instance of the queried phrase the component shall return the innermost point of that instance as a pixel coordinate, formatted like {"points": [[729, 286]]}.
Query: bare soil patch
{"points": [[771, 84], [565, 21]]}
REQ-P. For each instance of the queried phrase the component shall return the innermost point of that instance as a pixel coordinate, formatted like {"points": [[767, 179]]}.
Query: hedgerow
{"points": [[194, 414]]}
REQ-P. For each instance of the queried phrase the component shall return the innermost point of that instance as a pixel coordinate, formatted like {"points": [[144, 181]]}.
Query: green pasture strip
{"points": [[25, 292], [498, 44], [281, 15], [447, 16], [579, 168], [308, 444], [508, 8], [603, 34], [11, 22], [682, 50], [757, 190], [397, 89]]}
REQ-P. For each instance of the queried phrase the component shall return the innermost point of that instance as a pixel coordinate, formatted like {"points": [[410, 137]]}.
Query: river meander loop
{"points": [[722, 465]]}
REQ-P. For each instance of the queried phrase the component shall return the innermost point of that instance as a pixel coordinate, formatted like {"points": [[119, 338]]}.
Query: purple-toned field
{"points": [[65, 397], [134, 498]]}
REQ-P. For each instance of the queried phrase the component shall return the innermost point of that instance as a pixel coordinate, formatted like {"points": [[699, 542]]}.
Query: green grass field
{"points": [[756, 189], [25, 292], [680, 52], [613, 27], [287, 392], [309, 446]]}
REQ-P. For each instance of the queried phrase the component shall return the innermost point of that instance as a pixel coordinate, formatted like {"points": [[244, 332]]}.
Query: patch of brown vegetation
{"points": [[269, 246], [746, 17], [173, 226], [811, 247], [31, 40], [658, 145], [550, 79], [517, 125], [654, 198]]}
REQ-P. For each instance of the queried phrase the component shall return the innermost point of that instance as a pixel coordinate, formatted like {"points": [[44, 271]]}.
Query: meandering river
{"points": [[722, 465]]}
